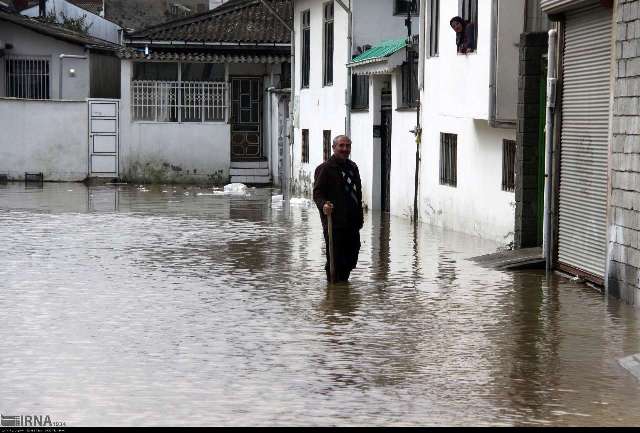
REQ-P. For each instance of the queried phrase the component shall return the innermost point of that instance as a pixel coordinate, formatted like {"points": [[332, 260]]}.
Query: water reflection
{"points": [[135, 303]]}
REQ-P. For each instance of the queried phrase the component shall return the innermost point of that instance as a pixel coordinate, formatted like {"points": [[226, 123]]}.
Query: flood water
{"points": [[125, 306]]}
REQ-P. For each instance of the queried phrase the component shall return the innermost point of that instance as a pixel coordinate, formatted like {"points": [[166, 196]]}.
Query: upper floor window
{"points": [[403, 7], [466, 26], [27, 77], [327, 69], [434, 27], [409, 72], [306, 47]]}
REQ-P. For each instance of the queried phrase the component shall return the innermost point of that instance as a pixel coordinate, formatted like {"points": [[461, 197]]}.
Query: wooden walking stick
{"points": [[332, 262]]}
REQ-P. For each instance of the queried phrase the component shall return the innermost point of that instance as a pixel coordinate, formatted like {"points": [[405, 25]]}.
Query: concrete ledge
{"points": [[632, 364]]}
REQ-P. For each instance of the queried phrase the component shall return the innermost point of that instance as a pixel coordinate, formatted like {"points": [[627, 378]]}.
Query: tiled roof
{"points": [[206, 57], [380, 51], [237, 21], [59, 32]]}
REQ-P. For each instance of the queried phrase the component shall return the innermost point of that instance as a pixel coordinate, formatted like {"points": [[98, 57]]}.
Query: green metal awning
{"points": [[380, 52]]}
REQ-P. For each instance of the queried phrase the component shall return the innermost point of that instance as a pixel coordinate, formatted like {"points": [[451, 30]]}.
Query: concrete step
{"points": [[252, 180], [249, 164], [249, 172]]}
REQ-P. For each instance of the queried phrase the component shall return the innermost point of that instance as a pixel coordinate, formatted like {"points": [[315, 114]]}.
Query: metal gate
{"points": [[584, 142], [104, 141]]}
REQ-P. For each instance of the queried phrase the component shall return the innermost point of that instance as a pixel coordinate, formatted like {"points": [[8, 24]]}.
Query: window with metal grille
{"points": [[305, 146], [27, 77], [172, 92], [434, 27], [448, 159], [360, 92], [409, 72], [306, 48], [402, 7], [508, 165], [327, 78], [326, 144], [468, 11]]}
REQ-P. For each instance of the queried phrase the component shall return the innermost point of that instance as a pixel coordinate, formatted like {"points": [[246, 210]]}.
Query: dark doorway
{"points": [[385, 160], [246, 118]]}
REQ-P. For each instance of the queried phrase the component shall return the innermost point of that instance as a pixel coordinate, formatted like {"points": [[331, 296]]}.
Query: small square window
{"points": [[403, 7]]}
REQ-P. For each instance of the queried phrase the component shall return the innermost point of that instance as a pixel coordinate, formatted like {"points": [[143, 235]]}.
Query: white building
{"points": [[469, 110], [323, 78], [47, 75], [205, 98]]}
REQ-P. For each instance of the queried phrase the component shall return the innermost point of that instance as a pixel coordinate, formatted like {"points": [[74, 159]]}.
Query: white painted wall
{"points": [[44, 136], [374, 21], [29, 43], [320, 108], [456, 100], [100, 27], [460, 83], [165, 151]]}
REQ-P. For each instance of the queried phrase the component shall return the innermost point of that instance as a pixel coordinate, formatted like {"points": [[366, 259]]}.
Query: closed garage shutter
{"points": [[582, 237]]}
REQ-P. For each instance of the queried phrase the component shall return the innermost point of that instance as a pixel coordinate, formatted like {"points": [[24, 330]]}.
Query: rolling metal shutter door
{"points": [[582, 237]]}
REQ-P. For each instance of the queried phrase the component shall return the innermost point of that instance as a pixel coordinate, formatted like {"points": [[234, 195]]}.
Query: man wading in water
{"points": [[337, 191]]}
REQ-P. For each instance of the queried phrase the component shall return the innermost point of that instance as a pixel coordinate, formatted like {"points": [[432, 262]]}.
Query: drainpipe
{"points": [[287, 154], [270, 111], [347, 96], [493, 64], [62, 57], [418, 130], [552, 81]]}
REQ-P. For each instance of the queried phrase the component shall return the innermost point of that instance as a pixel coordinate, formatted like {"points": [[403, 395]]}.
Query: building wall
{"points": [[99, 27], [27, 42], [318, 107], [170, 152], [623, 273], [530, 153], [456, 100], [368, 12], [44, 136]]}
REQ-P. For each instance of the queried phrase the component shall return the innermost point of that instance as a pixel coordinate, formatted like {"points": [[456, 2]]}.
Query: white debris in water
{"points": [[141, 188], [235, 189], [278, 201], [205, 194]]}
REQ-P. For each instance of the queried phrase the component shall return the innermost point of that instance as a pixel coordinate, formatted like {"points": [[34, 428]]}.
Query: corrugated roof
{"points": [[382, 50], [237, 21], [59, 32]]}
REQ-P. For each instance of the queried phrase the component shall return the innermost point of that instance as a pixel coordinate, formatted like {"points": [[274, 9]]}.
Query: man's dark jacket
{"points": [[329, 185]]}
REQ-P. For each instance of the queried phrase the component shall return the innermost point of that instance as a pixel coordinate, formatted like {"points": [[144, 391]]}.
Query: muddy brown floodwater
{"points": [[128, 306]]}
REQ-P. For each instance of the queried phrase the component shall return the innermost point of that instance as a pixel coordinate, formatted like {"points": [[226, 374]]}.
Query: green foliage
{"points": [[79, 24]]}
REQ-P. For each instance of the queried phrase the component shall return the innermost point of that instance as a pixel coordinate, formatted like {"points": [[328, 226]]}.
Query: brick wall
{"points": [[532, 47], [623, 276]]}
